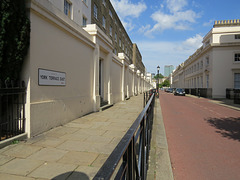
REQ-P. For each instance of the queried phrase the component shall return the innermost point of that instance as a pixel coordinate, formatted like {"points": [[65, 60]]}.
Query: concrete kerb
{"points": [[159, 161]]}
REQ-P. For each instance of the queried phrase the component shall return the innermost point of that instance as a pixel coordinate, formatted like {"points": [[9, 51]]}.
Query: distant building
{"points": [[215, 66], [106, 18], [137, 59], [168, 69]]}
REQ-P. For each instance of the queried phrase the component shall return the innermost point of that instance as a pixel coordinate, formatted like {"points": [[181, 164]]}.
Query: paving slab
{"points": [[49, 142], [22, 151], [79, 158], [83, 172], [48, 154], [20, 166], [52, 170], [14, 177], [4, 159], [99, 161]]}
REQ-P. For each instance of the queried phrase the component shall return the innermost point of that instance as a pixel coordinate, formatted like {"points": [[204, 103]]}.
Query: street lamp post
{"points": [[158, 68]]}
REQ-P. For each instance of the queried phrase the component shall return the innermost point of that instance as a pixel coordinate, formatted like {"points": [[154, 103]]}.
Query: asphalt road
{"points": [[203, 138]]}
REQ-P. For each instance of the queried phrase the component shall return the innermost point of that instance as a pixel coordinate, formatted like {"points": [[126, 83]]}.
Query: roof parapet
{"points": [[224, 23]]}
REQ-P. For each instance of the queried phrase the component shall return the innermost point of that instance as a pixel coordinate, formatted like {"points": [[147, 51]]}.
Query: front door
{"points": [[100, 79]]}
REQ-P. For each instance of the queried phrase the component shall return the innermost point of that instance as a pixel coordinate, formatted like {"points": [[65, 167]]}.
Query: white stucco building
{"points": [[78, 11], [216, 65], [71, 66]]}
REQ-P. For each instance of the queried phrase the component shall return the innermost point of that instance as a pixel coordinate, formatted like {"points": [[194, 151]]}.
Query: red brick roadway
{"points": [[203, 138]]}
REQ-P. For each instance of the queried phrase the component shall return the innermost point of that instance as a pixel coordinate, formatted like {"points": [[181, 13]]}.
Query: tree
{"points": [[166, 83], [158, 76], [14, 38]]}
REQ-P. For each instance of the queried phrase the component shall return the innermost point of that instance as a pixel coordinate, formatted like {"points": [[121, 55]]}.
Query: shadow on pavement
{"points": [[227, 127], [71, 176]]}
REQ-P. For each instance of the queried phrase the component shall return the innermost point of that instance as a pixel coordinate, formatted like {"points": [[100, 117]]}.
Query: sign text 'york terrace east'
{"points": [[51, 78]]}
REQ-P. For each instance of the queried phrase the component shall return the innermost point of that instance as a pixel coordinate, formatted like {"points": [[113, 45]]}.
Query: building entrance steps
{"points": [[75, 150]]}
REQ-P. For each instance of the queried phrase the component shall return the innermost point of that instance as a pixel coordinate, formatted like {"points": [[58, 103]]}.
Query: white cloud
{"points": [[125, 8], [176, 5], [164, 52], [128, 24], [144, 28], [178, 18], [209, 23], [194, 42]]}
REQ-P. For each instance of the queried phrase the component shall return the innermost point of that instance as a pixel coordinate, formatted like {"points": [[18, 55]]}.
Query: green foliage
{"points": [[158, 76], [166, 83], [15, 141], [14, 37]]}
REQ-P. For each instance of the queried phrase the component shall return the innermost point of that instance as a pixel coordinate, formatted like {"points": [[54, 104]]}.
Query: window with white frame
{"points": [[67, 8], [95, 11], [207, 81], [115, 37], [207, 61], [110, 13], [236, 80], [104, 22], [110, 31], [84, 22], [237, 57]]}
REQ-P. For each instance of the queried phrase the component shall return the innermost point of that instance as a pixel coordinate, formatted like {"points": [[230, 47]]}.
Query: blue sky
{"points": [[167, 32]]}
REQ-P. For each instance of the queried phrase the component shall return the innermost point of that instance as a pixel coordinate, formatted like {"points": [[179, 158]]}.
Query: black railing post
{"points": [[143, 162], [144, 94]]}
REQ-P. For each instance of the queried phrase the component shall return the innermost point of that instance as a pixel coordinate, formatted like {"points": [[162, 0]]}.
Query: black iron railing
{"points": [[236, 98], [230, 93], [201, 92], [147, 95], [129, 160], [12, 110]]}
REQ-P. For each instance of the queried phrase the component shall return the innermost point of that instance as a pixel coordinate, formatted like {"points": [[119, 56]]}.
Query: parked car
{"points": [[179, 92], [169, 90]]}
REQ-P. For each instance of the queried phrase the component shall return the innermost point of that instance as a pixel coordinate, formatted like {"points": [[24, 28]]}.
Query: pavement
{"points": [[79, 148]]}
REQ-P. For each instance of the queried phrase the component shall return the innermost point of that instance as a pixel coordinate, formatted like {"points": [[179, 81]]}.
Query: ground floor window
{"points": [[237, 81], [207, 81], [237, 57]]}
